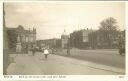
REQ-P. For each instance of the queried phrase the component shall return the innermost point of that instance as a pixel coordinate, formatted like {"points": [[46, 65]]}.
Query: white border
{"points": [[69, 77]]}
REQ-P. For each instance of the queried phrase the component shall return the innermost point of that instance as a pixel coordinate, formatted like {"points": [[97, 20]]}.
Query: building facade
{"points": [[80, 38], [93, 39], [21, 40], [103, 40]]}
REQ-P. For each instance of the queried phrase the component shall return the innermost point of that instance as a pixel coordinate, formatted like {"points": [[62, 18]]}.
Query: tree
{"points": [[108, 32]]}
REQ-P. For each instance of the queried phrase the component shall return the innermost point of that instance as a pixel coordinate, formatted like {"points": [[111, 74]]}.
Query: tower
{"points": [[64, 40], [34, 35]]}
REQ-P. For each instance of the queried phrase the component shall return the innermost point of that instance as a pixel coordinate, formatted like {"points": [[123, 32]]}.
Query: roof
{"points": [[20, 29]]}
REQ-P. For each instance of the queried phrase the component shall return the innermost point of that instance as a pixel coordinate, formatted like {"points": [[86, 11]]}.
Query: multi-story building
{"points": [[80, 39], [21, 40], [93, 39], [105, 40]]}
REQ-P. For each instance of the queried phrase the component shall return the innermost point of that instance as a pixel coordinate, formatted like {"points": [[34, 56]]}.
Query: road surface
{"points": [[26, 64]]}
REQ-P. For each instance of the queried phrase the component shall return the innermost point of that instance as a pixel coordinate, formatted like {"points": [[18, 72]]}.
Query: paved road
{"points": [[27, 64], [105, 57]]}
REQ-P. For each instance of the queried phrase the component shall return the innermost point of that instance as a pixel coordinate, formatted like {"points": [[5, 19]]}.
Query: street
{"points": [[26, 64], [109, 57]]}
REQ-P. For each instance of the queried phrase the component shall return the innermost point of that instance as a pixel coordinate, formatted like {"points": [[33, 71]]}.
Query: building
{"points": [[50, 43], [80, 38], [98, 39], [107, 39], [94, 39], [64, 40], [21, 40]]}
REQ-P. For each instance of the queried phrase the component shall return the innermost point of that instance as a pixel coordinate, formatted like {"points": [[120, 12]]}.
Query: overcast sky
{"points": [[51, 18]]}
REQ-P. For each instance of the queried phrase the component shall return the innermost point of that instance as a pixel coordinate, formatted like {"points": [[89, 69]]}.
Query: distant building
{"points": [[50, 43], [21, 40], [64, 40]]}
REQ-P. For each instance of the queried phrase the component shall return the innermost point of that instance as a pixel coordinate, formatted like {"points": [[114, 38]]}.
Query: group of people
{"points": [[44, 51]]}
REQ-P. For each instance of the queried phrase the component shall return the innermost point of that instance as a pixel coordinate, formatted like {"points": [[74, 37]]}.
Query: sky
{"points": [[51, 18]]}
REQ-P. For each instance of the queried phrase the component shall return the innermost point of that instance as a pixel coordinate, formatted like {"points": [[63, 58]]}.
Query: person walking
{"points": [[46, 52], [33, 51]]}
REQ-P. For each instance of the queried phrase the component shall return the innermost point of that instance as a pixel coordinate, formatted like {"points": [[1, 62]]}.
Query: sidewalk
{"points": [[37, 65]]}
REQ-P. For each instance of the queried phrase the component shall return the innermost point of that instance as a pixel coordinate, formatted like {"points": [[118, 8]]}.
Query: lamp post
{"points": [[68, 47]]}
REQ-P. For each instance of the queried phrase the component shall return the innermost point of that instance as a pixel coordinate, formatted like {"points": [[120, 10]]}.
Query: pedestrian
{"points": [[68, 51], [46, 52], [33, 51], [26, 48]]}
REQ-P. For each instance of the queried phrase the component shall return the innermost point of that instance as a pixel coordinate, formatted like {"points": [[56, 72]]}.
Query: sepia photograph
{"points": [[64, 38]]}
